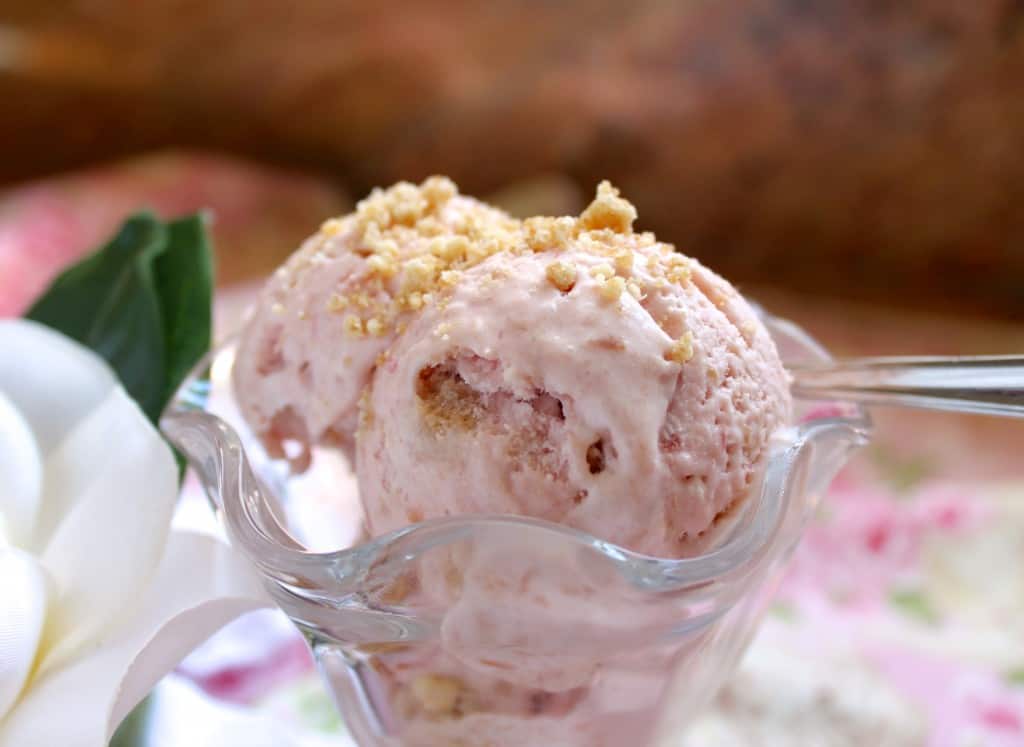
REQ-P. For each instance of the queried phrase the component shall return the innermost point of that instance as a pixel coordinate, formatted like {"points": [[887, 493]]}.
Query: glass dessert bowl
{"points": [[503, 630]]}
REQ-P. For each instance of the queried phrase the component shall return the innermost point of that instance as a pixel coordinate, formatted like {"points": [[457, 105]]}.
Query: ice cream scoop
{"points": [[323, 319], [590, 376]]}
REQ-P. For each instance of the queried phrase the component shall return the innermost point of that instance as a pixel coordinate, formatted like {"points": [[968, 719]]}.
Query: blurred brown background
{"points": [[861, 149]]}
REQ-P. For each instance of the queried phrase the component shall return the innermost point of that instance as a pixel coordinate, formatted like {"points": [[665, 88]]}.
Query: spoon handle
{"points": [[989, 385]]}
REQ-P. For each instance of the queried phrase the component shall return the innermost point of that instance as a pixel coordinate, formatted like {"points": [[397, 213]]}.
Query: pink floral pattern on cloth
{"points": [[912, 590]]}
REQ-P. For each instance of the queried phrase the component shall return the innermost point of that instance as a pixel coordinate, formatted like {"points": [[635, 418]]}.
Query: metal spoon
{"points": [[988, 385]]}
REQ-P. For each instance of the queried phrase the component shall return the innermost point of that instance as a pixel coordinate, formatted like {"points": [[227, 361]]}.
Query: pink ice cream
{"points": [[641, 419], [566, 369], [324, 318]]}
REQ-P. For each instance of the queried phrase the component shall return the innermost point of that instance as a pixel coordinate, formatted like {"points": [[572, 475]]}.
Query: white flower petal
{"points": [[200, 586], [52, 380], [106, 547], [101, 444], [23, 595], [21, 475]]}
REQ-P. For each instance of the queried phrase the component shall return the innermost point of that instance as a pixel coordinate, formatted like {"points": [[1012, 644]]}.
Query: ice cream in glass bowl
{"points": [[559, 460]]}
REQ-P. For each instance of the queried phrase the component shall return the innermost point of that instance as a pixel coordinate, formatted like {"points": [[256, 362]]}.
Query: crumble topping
{"points": [[681, 350], [418, 240], [609, 210], [562, 276], [624, 263], [612, 288], [353, 326], [544, 233]]}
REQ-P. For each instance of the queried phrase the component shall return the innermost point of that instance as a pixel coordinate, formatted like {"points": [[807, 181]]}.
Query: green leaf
{"points": [[184, 280], [1015, 677], [108, 302], [142, 302]]}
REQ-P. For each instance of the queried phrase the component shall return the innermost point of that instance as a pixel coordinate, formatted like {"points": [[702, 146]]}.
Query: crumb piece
{"points": [[336, 302], [429, 227], [562, 276], [382, 266], [407, 203], [544, 233], [437, 694], [611, 289], [375, 327], [608, 210], [678, 269], [634, 290], [414, 300], [373, 210], [478, 251], [419, 274], [381, 358], [446, 401], [361, 300], [450, 249], [450, 277], [331, 227], [624, 263], [375, 243], [681, 350], [438, 190], [602, 272], [353, 326], [442, 330]]}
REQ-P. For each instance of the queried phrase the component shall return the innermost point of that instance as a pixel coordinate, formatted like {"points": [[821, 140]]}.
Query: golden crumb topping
{"points": [[608, 210], [678, 271], [562, 276], [353, 326], [612, 289], [681, 350], [624, 263], [549, 234], [417, 241]]}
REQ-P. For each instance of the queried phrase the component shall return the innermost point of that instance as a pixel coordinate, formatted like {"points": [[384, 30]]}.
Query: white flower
{"points": [[98, 598]]}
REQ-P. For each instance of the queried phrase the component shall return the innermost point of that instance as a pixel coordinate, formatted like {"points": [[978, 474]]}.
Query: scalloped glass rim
{"points": [[252, 522]]}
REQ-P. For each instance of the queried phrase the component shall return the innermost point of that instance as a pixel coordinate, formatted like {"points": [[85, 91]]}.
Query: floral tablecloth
{"points": [[901, 621]]}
